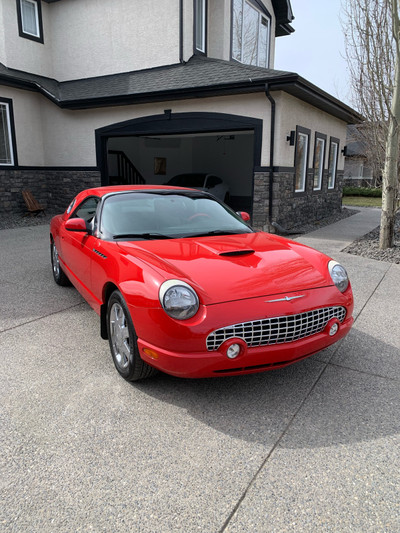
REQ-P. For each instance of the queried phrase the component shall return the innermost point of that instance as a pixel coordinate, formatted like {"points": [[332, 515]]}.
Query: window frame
{"points": [[197, 50], [38, 10], [319, 137], [262, 13], [300, 131], [11, 133], [332, 177]]}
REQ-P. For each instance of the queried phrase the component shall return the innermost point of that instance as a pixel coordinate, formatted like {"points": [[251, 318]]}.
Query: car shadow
{"points": [[324, 404]]}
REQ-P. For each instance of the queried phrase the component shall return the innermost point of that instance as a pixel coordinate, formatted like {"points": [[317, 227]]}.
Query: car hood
{"points": [[233, 267]]}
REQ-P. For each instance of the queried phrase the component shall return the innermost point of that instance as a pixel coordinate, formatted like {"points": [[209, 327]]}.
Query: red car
{"points": [[184, 285]]}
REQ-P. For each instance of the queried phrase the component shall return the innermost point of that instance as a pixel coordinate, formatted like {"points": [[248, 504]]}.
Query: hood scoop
{"points": [[235, 253]]}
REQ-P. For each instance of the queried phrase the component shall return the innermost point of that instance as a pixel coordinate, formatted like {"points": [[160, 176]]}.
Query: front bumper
{"points": [[213, 364], [182, 351]]}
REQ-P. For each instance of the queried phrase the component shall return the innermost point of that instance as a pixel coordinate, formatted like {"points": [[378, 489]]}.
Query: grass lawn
{"points": [[362, 201]]}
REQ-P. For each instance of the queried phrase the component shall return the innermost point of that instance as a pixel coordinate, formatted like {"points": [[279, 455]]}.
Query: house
{"points": [[357, 170], [128, 91]]}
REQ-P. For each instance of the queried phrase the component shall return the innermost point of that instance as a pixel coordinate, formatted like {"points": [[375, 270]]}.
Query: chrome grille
{"points": [[277, 330]]}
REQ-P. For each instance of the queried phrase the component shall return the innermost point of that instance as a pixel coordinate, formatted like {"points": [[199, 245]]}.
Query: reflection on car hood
{"points": [[233, 267]]}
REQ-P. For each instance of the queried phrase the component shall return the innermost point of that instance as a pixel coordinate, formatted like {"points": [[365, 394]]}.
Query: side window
{"points": [[301, 158], [87, 209], [30, 19], [251, 33], [200, 11], [319, 158], [7, 134], [333, 159]]}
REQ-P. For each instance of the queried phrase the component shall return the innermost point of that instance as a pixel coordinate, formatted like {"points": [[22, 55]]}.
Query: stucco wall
{"points": [[29, 126], [20, 53], [292, 112], [69, 139], [85, 38]]}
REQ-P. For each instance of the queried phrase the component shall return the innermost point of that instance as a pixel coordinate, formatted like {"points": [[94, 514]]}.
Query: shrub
{"points": [[362, 191]]}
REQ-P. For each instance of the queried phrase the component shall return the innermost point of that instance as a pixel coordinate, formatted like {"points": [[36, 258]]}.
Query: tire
{"points": [[58, 274], [123, 341]]}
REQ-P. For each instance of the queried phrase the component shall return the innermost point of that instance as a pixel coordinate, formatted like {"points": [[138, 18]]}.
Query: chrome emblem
{"points": [[285, 299]]}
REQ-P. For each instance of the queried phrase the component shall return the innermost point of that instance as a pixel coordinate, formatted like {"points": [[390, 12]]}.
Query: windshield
{"points": [[160, 215]]}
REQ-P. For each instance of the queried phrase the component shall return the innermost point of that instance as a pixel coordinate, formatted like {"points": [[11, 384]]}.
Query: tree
{"points": [[372, 34]]}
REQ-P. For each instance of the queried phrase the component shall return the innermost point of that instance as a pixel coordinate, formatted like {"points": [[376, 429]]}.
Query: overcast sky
{"points": [[316, 49]]}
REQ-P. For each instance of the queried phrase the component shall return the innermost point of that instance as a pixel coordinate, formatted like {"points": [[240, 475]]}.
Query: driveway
{"points": [[313, 447]]}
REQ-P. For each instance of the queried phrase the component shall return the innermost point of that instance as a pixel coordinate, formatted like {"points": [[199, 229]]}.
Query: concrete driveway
{"points": [[313, 447]]}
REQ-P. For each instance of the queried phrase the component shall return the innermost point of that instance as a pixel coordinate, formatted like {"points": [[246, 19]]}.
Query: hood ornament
{"points": [[285, 299]]}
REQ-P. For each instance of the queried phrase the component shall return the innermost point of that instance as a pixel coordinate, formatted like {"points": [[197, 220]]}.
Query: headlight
{"points": [[178, 299], [339, 275]]}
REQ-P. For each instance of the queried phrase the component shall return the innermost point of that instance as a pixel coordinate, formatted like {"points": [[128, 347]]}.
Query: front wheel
{"points": [[123, 341], [58, 274]]}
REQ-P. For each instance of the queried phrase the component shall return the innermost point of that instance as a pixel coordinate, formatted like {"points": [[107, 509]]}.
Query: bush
{"points": [[362, 191]]}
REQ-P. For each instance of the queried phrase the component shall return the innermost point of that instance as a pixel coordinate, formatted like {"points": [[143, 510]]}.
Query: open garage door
{"points": [[221, 162], [223, 149]]}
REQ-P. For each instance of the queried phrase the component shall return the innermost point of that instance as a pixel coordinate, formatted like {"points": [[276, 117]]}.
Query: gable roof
{"points": [[199, 77]]}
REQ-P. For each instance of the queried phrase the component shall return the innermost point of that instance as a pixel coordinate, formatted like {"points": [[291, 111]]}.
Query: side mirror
{"points": [[245, 216], [76, 224]]}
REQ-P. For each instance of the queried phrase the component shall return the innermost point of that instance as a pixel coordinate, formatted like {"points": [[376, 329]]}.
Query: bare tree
{"points": [[373, 51]]}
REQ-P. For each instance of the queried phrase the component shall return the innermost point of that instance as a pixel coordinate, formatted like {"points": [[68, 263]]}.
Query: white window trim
{"points": [[37, 34], [9, 133]]}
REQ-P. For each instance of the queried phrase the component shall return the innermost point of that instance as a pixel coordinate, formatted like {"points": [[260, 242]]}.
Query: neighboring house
{"points": [[357, 172], [93, 91]]}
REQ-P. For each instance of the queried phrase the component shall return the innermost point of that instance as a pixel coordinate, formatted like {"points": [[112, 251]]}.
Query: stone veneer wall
{"points": [[53, 189], [290, 209]]}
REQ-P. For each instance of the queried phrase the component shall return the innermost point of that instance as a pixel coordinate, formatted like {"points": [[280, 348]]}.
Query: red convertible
{"points": [[184, 285]]}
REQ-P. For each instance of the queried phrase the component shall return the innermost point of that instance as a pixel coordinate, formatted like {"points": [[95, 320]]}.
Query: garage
{"points": [[216, 156]]}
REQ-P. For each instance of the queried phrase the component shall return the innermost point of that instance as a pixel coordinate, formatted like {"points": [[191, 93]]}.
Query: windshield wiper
{"points": [[146, 236]]}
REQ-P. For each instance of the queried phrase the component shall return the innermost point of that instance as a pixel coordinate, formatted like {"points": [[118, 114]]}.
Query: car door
{"points": [[77, 248]]}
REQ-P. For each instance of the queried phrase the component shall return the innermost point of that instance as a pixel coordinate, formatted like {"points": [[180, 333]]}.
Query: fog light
{"points": [[333, 329], [233, 351]]}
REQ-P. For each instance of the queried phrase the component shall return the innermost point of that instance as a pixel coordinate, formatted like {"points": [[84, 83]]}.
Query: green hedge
{"points": [[362, 191]]}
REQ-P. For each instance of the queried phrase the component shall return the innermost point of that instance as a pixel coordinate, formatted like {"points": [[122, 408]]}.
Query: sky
{"points": [[316, 49]]}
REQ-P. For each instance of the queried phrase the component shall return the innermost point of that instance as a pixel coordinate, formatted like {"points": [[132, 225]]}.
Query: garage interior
{"points": [[155, 159]]}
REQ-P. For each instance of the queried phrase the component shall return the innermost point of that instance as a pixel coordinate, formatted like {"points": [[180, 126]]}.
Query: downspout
{"points": [[272, 224], [271, 154], [181, 31]]}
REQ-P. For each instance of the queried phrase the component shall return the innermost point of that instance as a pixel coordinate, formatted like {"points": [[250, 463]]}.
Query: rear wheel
{"points": [[58, 274], [123, 341]]}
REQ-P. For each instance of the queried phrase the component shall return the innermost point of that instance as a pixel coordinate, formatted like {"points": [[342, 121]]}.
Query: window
{"points": [[200, 25], [30, 19], [250, 33], [333, 158], [319, 158], [7, 156], [301, 158]]}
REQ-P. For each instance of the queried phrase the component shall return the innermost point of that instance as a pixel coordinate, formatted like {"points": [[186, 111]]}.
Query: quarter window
{"points": [[30, 19], [301, 158], [319, 158], [250, 34], [333, 157], [6, 135]]}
